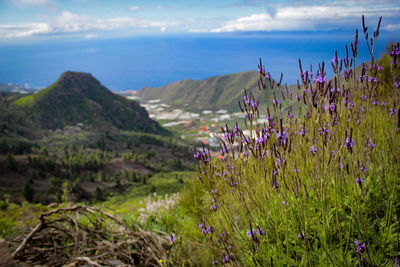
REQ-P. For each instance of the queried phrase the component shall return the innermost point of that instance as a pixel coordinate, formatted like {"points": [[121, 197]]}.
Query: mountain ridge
{"points": [[77, 97], [218, 92]]}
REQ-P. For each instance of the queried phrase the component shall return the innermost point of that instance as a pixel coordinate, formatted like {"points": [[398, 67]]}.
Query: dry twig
{"points": [[90, 235]]}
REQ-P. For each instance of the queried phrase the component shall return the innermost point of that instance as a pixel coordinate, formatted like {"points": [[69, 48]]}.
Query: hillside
{"points": [[219, 92], [79, 98]]}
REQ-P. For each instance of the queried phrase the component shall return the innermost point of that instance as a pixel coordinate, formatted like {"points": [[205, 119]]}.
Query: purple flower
{"points": [[332, 107], [281, 137], [225, 259], [363, 169], [320, 78], [383, 103], [261, 70], [380, 68], [302, 132], [324, 131], [301, 236], [346, 74], [397, 261], [397, 84], [237, 128], [197, 155], [313, 150], [371, 144], [172, 238], [335, 60], [213, 207], [372, 79], [275, 101], [227, 135], [363, 97], [279, 161], [260, 231], [349, 143], [359, 181], [392, 112], [359, 247], [214, 262], [246, 99], [250, 233], [254, 105]]}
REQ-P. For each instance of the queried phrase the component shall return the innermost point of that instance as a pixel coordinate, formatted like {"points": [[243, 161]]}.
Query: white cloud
{"points": [[392, 27], [306, 18], [91, 35], [31, 2], [67, 22], [134, 8], [163, 29], [23, 30]]}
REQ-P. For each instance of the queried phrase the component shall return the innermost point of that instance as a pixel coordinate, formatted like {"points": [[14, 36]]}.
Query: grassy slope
{"points": [[219, 92]]}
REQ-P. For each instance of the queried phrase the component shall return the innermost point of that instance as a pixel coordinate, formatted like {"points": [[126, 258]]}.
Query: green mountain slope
{"points": [[79, 98], [220, 92]]}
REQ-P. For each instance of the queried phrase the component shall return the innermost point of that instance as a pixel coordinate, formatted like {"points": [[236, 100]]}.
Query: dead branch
{"points": [[68, 236]]}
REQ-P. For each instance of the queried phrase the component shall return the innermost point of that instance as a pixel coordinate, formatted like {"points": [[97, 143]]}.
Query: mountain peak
{"points": [[77, 81], [77, 97], [71, 75]]}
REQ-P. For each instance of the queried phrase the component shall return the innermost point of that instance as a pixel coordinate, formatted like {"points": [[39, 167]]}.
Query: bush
{"points": [[318, 186], [28, 192]]}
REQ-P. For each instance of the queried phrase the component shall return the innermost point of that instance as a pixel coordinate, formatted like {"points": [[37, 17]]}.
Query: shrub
{"points": [[318, 186]]}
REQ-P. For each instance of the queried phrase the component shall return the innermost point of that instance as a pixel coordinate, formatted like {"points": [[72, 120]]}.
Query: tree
{"points": [[28, 192], [98, 194], [4, 147], [11, 162]]}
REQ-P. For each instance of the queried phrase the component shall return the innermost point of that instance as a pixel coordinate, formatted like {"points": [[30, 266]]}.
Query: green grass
{"points": [[14, 218], [161, 183], [25, 101]]}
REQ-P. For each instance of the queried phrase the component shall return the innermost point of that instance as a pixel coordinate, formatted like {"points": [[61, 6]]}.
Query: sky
{"points": [[41, 20]]}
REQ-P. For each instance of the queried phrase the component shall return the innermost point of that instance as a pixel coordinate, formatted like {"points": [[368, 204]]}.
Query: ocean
{"points": [[135, 62]]}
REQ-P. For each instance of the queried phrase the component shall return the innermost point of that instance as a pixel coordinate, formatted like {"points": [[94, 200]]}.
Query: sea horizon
{"points": [[132, 63]]}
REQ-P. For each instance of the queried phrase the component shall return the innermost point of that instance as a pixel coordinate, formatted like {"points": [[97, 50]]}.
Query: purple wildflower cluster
{"points": [[360, 248], [349, 141], [323, 125], [321, 78], [205, 230]]}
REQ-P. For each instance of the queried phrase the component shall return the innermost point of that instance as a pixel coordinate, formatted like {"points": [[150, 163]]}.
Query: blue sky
{"points": [[44, 19]]}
